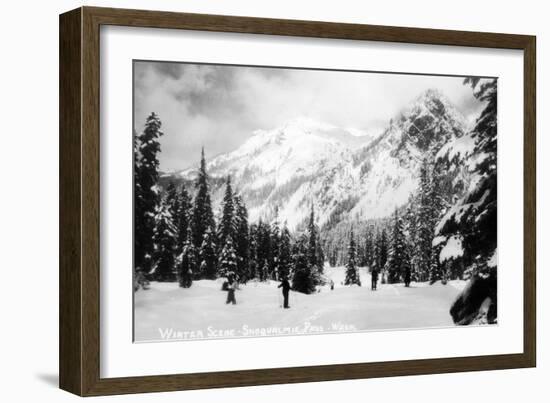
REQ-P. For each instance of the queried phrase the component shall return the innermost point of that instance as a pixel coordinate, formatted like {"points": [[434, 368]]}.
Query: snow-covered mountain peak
{"points": [[343, 173], [433, 102], [304, 124]]}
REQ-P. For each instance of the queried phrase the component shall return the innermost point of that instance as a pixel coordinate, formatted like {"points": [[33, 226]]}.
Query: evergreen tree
{"points": [[183, 218], [285, 253], [397, 259], [426, 223], [263, 249], [382, 249], [312, 238], [380, 253], [226, 226], [352, 276], [302, 280], [242, 238], [253, 266], [369, 248], [320, 254], [207, 256], [227, 262], [477, 223], [275, 234], [186, 262], [411, 225], [172, 201], [203, 217], [146, 196], [165, 245]]}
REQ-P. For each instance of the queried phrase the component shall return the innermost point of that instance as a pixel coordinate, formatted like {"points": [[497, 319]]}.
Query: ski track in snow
{"points": [[167, 306]]}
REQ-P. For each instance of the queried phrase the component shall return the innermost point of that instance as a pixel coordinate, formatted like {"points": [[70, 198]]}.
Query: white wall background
{"points": [[29, 198]]}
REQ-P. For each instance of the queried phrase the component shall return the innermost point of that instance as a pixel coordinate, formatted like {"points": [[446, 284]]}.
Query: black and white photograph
{"points": [[276, 201]]}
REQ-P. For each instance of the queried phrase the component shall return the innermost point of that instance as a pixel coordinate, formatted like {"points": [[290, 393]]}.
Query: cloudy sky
{"points": [[219, 107]]}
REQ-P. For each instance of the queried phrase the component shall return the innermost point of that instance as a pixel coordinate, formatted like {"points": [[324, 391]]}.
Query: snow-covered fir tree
{"points": [[275, 234], [473, 219], [172, 201], [303, 279], [165, 245], [285, 253], [315, 251], [242, 238], [312, 238], [425, 222], [263, 249], [368, 250], [253, 266], [207, 256], [397, 257], [381, 253], [186, 262], [411, 241], [183, 217], [226, 227], [203, 216], [352, 275], [227, 262], [146, 197]]}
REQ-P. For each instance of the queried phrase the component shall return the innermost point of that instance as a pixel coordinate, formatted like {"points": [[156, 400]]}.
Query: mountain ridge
{"points": [[304, 162]]}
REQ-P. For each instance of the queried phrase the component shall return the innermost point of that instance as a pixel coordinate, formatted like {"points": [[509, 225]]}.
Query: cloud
{"points": [[219, 107]]}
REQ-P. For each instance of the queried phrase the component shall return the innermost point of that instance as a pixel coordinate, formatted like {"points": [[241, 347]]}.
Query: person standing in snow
{"points": [[407, 277], [374, 278], [231, 286], [285, 285]]}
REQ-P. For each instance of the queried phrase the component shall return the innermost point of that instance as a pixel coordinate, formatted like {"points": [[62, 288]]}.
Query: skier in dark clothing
{"points": [[231, 286], [285, 285], [407, 277], [374, 279]]}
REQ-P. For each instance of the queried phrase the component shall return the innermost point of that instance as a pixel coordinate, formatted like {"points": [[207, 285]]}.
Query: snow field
{"points": [[168, 312]]}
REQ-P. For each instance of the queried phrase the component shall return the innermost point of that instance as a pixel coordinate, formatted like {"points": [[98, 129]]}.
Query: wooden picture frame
{"points": [[79, 346]]}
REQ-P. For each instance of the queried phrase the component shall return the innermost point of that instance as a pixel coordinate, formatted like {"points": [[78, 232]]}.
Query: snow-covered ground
{"points": [[168, 312]]}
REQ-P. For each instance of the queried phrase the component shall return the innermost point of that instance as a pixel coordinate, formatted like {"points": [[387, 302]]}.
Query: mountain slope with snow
{"points": [[343, 173]]}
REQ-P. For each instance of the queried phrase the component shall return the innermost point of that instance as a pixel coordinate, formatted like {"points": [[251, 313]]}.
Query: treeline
{"points": [[177, 237]]}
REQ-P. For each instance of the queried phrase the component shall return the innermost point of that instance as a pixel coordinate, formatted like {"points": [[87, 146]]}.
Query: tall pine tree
{"points": [[146, 197], [226, 227], [242, 238], [183, 218], [274, 235], [352, 276], [263, 250], [165, 245], [253, 266], [425, 223], [369, 248], [397, 257], [302, 279], [203, 217], [186, 261], [285, 253]]}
